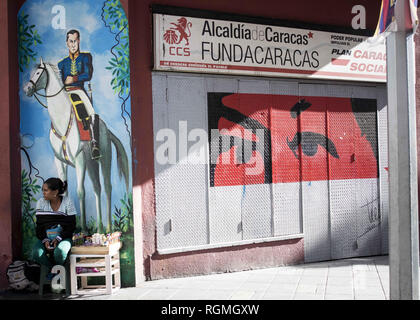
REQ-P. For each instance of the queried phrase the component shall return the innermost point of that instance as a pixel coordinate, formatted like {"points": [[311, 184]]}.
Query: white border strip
{"points": [[228, 244]]}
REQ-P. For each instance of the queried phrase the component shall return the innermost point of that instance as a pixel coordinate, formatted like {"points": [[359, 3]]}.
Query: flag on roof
{"points": [[387, 19], [413, 23], [386, 16]]}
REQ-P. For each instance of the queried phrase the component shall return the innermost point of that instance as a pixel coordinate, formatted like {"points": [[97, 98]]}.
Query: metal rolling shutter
{"points": [[198, 205]]}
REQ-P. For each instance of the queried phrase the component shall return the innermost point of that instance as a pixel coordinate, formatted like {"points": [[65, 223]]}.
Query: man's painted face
{"points": [[291, 138], [73, 43]]}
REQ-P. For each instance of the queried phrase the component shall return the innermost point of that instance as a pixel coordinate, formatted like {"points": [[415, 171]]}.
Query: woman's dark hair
{"points": [[56, 184]]}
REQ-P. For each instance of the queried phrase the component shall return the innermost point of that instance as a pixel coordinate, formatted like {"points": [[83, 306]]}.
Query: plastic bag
{"points": [[23, 275]]}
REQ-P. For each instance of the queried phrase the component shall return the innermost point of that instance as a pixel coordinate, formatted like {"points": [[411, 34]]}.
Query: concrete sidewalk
{"points": [[349, 279], [358, 278]]}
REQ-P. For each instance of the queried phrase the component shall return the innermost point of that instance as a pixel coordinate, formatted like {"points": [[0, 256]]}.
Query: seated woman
{"points": [[55, 224]]}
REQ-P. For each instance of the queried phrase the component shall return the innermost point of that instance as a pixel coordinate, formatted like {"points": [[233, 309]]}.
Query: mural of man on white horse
{"points": [[69, 146], [76, 69]]}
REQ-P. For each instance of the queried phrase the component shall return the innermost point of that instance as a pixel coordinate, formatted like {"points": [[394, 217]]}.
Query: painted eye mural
{"points": [[75, 112], [300, 106], [290, 138], [309, 142], [246, 136]]}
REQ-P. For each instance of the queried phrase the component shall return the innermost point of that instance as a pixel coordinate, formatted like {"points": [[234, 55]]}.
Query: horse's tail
{"points": [[122, 159]]}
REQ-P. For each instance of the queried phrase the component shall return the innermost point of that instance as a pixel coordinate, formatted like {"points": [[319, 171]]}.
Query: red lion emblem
{"points": [[183, 29]]}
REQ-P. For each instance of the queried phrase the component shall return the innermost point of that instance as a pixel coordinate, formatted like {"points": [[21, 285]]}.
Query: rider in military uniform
{"points": [[75, 70]]}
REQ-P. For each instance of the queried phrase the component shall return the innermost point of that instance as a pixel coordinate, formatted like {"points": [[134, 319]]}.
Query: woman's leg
{"points": [[39, 254], [62, 250]]}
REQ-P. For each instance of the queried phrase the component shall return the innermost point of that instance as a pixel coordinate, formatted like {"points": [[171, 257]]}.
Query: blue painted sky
{"points": [[84, 16]]}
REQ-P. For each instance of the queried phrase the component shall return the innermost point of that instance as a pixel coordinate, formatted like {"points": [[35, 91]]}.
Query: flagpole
{"points": [[402, 153]]}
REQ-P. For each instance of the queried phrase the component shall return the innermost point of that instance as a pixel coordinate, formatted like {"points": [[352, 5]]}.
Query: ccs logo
{"points": [[175, 37]]}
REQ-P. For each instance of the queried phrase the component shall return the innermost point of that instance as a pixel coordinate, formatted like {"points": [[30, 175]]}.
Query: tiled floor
{"points": [[348, 279]]}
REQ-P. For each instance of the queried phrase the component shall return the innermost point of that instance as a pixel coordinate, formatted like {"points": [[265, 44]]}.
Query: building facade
{"points": [[236, 164]]}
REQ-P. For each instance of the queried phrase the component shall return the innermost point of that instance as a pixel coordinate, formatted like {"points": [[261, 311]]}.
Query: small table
{"points": [[106, 258]]}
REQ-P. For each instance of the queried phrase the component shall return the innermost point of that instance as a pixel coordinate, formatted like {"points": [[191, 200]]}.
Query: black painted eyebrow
{"points": [[299, 107], [311, 140], [219, 111]]}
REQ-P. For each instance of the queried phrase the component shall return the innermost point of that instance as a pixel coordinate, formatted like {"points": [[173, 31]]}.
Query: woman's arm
{"points": [[68, 225], [69, 222], [41, 234], [40, 230]]}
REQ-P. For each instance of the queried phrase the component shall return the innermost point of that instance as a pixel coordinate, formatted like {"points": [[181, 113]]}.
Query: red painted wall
{"points": [[10, 241]]}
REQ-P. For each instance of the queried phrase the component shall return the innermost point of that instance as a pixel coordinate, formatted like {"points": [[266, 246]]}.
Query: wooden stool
{"points": [[106, 259]]}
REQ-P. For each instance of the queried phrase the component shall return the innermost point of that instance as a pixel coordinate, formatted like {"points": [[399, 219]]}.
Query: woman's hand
{"points": [[54, 244], [47, 246]]}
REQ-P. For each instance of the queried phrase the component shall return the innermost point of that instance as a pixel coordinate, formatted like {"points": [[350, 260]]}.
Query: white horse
{"points": [[70, 150]]}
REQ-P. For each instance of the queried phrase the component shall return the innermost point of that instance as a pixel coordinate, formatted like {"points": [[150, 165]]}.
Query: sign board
{"points": [[228, 47]]}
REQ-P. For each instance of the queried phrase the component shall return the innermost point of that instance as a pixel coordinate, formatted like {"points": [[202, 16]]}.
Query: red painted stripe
{"points": [[340, 62], [266, 69]]}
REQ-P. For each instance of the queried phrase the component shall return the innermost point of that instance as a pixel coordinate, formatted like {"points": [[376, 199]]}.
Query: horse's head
{"points": [[38, 80]]}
